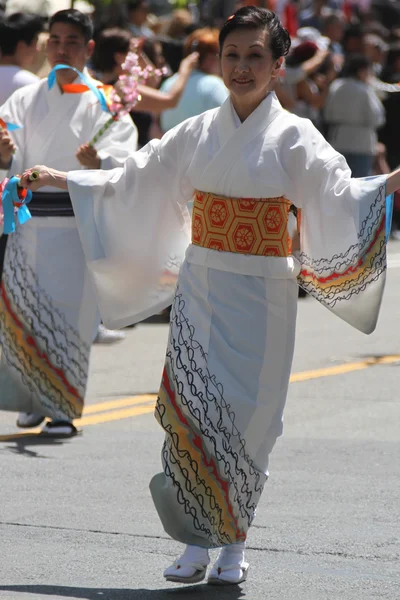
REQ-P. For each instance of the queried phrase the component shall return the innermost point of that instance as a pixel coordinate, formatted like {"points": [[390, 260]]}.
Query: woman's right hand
{"points": [[189, 63], [44, 176]]}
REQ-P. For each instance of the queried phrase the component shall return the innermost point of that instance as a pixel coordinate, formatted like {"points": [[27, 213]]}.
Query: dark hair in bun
{"points": [[251, 17]]}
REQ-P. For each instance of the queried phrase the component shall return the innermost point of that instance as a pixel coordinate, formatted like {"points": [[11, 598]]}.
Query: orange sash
{"points": [[257, 226]]}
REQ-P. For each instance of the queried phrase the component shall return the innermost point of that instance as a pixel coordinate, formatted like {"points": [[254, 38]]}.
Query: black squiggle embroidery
{"points": [[48, 326], [186, 361], [339, 263]]}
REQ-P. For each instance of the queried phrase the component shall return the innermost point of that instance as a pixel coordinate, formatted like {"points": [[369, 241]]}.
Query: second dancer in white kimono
{"points": [[48, 311], [256, 174]]}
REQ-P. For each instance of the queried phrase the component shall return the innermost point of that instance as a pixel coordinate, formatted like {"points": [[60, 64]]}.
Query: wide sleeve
{"points": [[117, 143], [134, 227], [344, 228]]}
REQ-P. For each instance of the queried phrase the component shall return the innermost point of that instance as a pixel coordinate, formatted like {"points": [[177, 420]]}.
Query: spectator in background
{"points": [[215, 12], [152, 48], [352, 42], [376, 28], [40, 65], [172, 52], [180, 24], [312, 15], [19, 34], [112, 46], [388, 134], [292, 75], [375, 49], [204, 89], [353, 114], [310, 92], [138, 11], [333, 27], [146, 125], [391, 72]]}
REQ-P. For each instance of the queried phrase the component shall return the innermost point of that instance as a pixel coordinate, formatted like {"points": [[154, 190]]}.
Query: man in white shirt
{"points": [[48, 310], [18, 47]]}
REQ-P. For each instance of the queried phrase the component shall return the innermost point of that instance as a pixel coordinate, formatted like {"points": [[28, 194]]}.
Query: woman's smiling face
{"points": [[248, 68]]}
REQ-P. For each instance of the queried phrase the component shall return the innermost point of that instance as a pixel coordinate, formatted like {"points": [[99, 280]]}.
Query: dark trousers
{"points": [[3, 243]]}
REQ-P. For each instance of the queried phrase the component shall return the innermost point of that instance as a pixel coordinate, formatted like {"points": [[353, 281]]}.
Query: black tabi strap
{"points": [[51, 204]]}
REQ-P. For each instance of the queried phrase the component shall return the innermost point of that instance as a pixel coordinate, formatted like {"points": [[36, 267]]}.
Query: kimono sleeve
{"points": [[134, 227], [344, 227]]}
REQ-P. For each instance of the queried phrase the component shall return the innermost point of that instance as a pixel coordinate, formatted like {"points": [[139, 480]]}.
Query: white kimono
{"points": [[48, 311], [233, 317]]}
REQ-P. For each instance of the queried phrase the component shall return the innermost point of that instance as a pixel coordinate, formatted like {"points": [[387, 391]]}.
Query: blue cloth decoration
{"points": [[9, 199], [389, 214], [12, 126], [88, 82]]}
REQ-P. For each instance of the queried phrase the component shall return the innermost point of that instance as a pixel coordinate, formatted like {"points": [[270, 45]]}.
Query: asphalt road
{"points": [[77, 521]]}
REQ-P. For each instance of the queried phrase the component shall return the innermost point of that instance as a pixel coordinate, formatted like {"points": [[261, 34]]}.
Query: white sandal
{"points": [[28, 420], [181, 572], [228, 574]]}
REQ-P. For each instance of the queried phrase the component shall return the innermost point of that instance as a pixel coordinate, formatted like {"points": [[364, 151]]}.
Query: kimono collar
{"points": [[234, 136], [263, 115]]}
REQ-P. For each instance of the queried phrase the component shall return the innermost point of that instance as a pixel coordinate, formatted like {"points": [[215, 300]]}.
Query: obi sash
{"points": [[257, 226], [51, 204]]}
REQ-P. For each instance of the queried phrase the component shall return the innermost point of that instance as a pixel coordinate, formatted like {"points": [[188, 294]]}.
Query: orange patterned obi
{"points": [[256, 226]]}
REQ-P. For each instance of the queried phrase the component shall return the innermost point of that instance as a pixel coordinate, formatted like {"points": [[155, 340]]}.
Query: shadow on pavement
{"points": [[20, 443], [187, 592]]}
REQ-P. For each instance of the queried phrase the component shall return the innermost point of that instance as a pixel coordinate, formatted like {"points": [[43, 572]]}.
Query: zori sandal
{"points": [[180, 572], [228, 574]]}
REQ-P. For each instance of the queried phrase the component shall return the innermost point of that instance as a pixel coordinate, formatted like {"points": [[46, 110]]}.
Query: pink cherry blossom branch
{"points": [[125, 95]]}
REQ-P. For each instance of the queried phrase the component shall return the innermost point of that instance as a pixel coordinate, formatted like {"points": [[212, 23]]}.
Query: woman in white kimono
{"points": [[249, 167]]}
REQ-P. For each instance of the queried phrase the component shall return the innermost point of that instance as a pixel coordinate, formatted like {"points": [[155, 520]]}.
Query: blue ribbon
{"points": [[88, 82], [10, 196], [12, 126]]}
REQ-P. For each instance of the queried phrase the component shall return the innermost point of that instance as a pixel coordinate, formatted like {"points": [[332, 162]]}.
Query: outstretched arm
{"points": [[156, 101], [43, 176], [393, 182]]}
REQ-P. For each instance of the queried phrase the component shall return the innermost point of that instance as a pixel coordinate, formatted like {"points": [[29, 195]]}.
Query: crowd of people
{"points": [[273, 203], [341, 73]]}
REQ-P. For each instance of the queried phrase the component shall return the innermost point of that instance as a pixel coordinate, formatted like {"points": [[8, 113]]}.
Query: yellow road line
{"points": [[122, 403], [345, 368], [105, 417], [115, 415], [134, 406]]}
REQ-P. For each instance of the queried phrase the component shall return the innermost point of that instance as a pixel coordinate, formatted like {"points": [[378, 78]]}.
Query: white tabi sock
{"points": [[230, 565], [193, 559]]}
